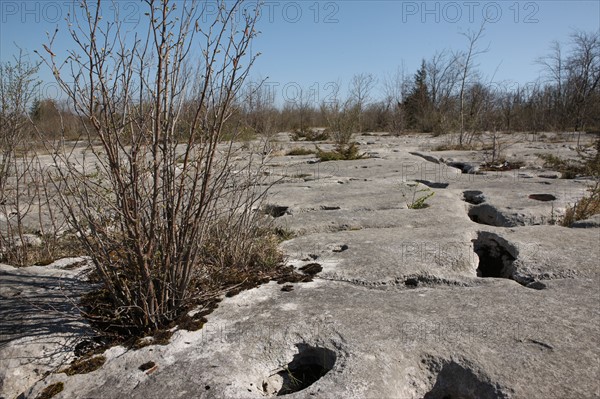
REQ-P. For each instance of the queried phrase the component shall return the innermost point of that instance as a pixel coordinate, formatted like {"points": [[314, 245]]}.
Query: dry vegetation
{"points": [[85, 365], [51, 390], [583, 209], [342, 152], [300, 151]]}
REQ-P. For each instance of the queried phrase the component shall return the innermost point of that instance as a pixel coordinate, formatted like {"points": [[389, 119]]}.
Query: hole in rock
{"points": [[494, 259], [474, 197], [489, 215], [457, 381], [432, 184], [307, 367], [147, 366], [542, 197], [276, 210]]}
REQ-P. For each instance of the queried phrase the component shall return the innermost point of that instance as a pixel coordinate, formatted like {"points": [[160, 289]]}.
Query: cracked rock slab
{"points": [[397, 308], [490, 338]]}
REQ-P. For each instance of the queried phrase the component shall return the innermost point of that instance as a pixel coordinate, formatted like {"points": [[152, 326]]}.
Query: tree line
{"points": [[449, 94]]}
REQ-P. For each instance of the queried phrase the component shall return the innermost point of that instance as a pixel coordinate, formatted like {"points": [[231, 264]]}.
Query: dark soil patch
{"points": [[51, 390], [289, 275], [85, 365], [312, 268], [429, 281], [193, 323]]}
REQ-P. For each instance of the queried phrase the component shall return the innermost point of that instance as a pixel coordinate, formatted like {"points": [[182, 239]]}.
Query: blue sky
{"points": [[312, 43]]}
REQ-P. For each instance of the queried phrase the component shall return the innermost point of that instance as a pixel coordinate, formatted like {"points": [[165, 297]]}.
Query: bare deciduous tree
{"points": [[583, 66], [442, 77], [258, 105], [466, 62], [572, 81], [360, 90], [554, 66], [395, 89]]}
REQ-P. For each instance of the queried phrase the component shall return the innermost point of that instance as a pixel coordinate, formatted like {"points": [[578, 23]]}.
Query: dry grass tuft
{"points": [[584, 208], [300, 151]]}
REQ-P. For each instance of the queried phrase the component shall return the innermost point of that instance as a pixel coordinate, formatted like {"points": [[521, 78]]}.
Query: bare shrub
{"points": [[347, 152], [146, 202], [585, 165], [342, 120], [31, 232], [17, 86], [589, 205]]}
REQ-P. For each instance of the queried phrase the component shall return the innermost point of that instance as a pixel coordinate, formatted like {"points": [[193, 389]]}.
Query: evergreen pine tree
{"points": [[418, 102]]}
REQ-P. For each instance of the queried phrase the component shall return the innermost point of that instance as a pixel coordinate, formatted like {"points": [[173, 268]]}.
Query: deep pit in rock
{"points": [[307, 367], [496, 260], [454, 380]]}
